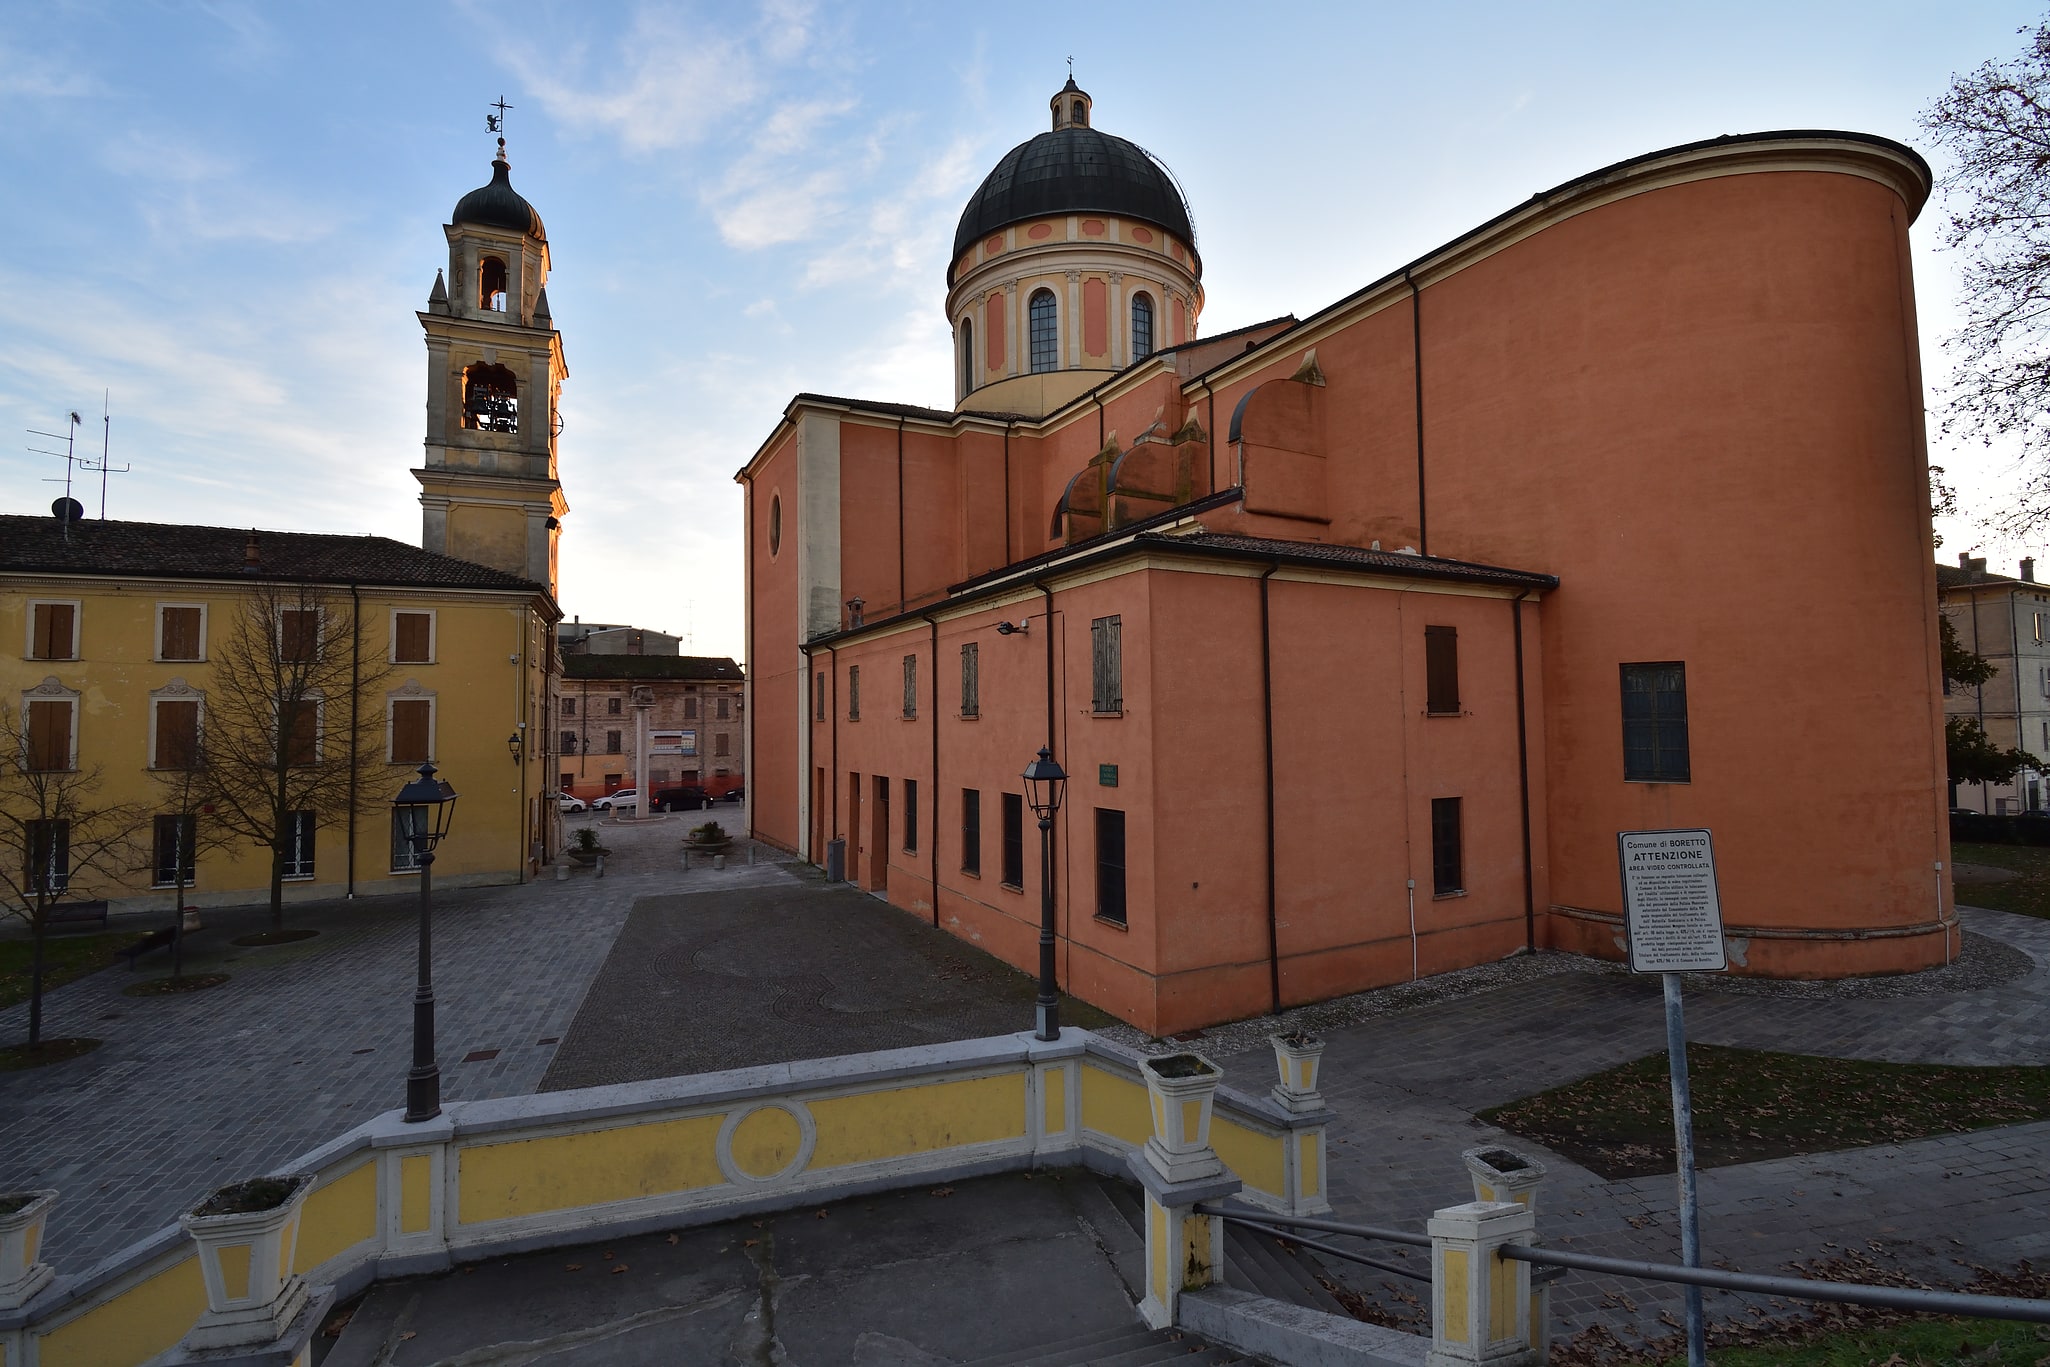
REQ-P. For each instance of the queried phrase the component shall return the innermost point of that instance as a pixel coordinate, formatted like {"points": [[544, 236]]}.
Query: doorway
{"points": [[855, 862], [878, 868]]}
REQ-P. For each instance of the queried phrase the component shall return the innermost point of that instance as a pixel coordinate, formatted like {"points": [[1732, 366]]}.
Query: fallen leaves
{"points": [[618, 1269], [943, 1191], [572, 1267]]}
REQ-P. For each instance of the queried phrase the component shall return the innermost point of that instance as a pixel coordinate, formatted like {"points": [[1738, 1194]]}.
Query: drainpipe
{"points": [[1055, 854], [1267, 721], [805, 770], [1100, 434], [1007, 493], [1416, 332], [902, 600], [933, 799], [355, 725], [1523, 779], [833, 773]]}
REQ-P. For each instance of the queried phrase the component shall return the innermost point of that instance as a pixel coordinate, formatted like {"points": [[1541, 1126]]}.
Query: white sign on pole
{"points": [[1669, 902]]}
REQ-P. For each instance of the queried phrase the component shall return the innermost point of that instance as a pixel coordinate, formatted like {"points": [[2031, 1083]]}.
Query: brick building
{"points": [[695, 725]]}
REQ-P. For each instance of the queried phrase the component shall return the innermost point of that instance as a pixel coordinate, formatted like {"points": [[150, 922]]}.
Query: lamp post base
{"points": [[1048, 1016]]}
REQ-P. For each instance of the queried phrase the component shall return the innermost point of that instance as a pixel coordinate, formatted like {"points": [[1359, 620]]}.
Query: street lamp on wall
{"points": [[512, 743], [422, 812], [1046, 783]]}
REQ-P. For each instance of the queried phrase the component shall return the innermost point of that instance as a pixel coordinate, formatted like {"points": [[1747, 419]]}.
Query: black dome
{"points": [[1074, 170], [498, 205]]}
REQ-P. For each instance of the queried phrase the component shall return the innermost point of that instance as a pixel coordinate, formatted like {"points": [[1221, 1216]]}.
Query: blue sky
{"points": [[226, 213]]}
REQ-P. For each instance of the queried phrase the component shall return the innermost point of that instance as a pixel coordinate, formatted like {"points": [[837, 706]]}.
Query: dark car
{"points": [[688, 797], [734, 794]]}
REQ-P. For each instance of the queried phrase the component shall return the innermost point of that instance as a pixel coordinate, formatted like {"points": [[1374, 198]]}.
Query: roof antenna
{"points": [[66, 508], [103, 468]]}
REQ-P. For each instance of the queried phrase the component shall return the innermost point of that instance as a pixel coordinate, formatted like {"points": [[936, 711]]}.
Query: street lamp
{"points": [[421, 814], [1045, 784]]}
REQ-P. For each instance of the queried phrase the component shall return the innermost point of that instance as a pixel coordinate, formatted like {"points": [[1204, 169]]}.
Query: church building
{"points": [[1362, 635]]}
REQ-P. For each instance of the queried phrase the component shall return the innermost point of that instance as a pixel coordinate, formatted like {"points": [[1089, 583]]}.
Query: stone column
{"points": [[1501, 1174], [1480, 1301], [1178, 1169], [644, 700]]}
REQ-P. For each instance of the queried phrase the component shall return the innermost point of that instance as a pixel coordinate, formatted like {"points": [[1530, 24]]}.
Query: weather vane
{"points": [[495, 123]]}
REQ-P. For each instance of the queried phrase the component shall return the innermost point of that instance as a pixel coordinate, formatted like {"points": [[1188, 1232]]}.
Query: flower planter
{"points": [[587, 857], [1501, 1174], [245, 1259], [1181, 1088], [21, 1238], [1298, 1055]]}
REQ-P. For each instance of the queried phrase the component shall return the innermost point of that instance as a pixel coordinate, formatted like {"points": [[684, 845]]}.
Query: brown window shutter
{"points": [[409, 727], [299, 634], [411, 646], [303, 746], [53, 630], [49, 735], [181, 633], [177, 734], [1441, 669]]}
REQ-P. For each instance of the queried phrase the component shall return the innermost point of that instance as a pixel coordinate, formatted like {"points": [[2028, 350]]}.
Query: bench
{"points": [[76, 913], [156, 939]]}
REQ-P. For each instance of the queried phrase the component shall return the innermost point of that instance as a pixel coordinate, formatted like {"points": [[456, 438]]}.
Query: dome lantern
{"points": [[1070, 105]]}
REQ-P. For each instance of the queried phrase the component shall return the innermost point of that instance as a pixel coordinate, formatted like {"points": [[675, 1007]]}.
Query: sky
{"points": [[223, 216]]}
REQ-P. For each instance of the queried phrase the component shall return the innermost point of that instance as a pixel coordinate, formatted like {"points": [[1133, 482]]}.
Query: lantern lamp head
{"points": [[425, 807], [1046, 783]]}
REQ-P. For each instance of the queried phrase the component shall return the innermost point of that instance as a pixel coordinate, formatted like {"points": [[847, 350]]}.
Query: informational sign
{"points": [[672, 742], [1670, 906], [1107, 775]]}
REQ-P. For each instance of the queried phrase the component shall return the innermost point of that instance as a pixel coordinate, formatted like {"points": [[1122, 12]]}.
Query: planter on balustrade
{"points": [[1501, 1174], [247, 1235], [22, 1214], [1298, 1055], [1181, 1089]]}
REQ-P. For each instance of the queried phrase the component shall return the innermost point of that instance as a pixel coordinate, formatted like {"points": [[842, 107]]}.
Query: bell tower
{"points": [[489, 491]]}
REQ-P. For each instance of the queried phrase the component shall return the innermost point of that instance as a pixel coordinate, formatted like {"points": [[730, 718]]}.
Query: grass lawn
{"points": [[2028, 894], [65, 957], [1750, 1104], [1912, 1343]]}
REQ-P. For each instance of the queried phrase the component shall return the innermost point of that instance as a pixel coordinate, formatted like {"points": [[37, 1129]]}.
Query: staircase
{"points": [[1255, 1262], [1118, 1348]]}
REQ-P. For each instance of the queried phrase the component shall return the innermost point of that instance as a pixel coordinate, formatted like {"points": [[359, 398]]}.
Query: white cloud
{"points": [[43, 77]]}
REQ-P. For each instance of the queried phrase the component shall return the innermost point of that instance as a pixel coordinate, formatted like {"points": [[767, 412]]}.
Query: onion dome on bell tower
{"points": [[1075, 257]]}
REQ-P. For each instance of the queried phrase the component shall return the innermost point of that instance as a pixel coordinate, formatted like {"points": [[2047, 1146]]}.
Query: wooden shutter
{"points": [[971, 680], [854, 692], [302, 746], [410, 718], [49, 735], [298, 634], [1441, 669], [177, 734], [53, 631], [910, 685], [412, 633], [180, 629], [1107, 664]]}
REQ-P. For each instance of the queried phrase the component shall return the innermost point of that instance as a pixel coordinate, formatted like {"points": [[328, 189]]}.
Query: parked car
{"points": [[735, 793], [570, 802], [688, 797], [623, 798]]}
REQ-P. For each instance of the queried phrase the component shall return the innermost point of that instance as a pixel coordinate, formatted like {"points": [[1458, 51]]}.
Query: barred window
{"points": [[1014, 840], [854, 692], [1110, 865], [299, 828], [971, 831], [1046, 332], [1655, 723], [910, 685], [612, 743], [1441, 670], [1448, 873], [971, 680], [1107, 664], [569, 742], [172, 856]]}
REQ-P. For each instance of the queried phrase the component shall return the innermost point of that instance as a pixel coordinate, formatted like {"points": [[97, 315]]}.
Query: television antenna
{"points": [[63, 507], [102, 468]]}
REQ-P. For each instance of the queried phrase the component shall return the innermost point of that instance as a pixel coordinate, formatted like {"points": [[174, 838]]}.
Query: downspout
{"points": [[810, 765], [1523, 779], [1007, 493], [2014, 656], [833, 773], [1416, 332], [1061, 906], [355, 725], [902, 600], [1267, 722], [933, 799], [1100, 433]]}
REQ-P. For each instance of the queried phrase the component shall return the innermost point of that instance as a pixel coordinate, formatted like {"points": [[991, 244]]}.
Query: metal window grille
{"points": [[49, 855], [854, 692], [405, 857], [1014, 839], [299, 845], [1142, 327], [971, 831], [172, 855], [1107, 664], [971, 680], [1044, 320], [911, 816], [1110, 865], [1448, 873], [910, 685], [612, 707], [569, 742], [1655, 723], [818, 696]]}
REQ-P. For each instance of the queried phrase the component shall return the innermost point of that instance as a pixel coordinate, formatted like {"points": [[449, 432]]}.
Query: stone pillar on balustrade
{"points": [[1178, 1169]]}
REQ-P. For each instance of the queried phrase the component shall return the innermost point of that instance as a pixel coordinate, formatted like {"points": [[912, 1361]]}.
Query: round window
{"points": [[775, 523]]}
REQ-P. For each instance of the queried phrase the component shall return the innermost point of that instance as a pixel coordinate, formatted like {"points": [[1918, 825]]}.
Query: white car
{"points": [[569, 802], [625, 797]]}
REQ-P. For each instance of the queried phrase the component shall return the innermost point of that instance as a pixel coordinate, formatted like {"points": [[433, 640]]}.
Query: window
{"points": [[53, 631], [1655, 723], [911, 816], [568, 782], [569, 742], [177, 733], [971, 680], [910, 686], [1142, 326], [690, 709], [49, 855], [971, 831], [854, 692], [613, 781], [1045, 332], [721, 745], [2039, 627], [612, 707], [298, 635], [491, 284], [181, 632], [569, 707], [405, 823], [1107, 664], [1014, 840], [1447, 872], [1441, 671], [299, 828], [612, 743], [301, 725], [1110, 865], [725, 709], [818, 696], [967, 355], [171, 856], [51, 743], [491, 399], [412, 730], [412, 638], [775, 524]]}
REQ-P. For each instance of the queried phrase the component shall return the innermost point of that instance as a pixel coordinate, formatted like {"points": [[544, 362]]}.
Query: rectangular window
{"points": [[690, 709], [412, 638], [405, 855], [172, 853], [971, 831], [612, 707], [910, 686], [177, 723], [911, 816], [1110, 865], [722, 745], [1441, 671], [818, 696], [854, 692], [2043, 679], [412, 730], [49, 855], [302, 738], [971, 680], [298, 635], [2039, 626], [299, 828], [49, 733], [1107, 664], [568, 781], [725, 709], [180, 632], [1014, 840], [1448, 873], [612, 743], [569, 707], [53, 632], [569, 742], [1655, 723]]}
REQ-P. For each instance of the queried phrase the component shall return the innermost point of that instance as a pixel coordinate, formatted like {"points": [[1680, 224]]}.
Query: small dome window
{"points": [[1081, 114], [1142, 326], [491, 399], [491, 284], [1046, 332]]}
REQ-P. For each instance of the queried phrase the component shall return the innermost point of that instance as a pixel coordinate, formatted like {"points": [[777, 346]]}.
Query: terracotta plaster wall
{"points": [[776, 673]]}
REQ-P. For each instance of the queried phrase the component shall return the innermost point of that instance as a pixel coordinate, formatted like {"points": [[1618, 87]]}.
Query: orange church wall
{"points": [[775, 667], [1095, 308]]}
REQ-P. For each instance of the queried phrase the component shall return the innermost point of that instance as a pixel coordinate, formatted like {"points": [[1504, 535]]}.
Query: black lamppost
{"points": [[422, 812], [1045, 784]]}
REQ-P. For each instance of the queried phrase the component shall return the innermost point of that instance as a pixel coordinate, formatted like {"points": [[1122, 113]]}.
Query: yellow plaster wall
{"points": [[1115, 1105], [489, 535], [133, 1326], [416, 1193], [530, 1176], [910, 1120], [1258, 1160], [337, 1216]]}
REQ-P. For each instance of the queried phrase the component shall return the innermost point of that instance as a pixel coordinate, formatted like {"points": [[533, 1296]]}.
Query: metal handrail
{"points": [[1251, 1214], [1328, 1250], [1797, 1288]]}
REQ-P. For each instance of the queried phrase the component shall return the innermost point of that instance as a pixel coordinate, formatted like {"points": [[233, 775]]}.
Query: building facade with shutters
{"points": [[2006, 622], [1362, 635], [696, 726]]}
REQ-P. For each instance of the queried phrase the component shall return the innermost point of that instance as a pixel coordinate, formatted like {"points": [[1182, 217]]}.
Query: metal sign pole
{"points": [[1683, 1145]]}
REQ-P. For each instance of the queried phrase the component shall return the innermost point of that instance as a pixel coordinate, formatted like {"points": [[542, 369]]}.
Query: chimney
{"points": [[1964, 560], [2028, 569], [1979, 566], [252, 557]]}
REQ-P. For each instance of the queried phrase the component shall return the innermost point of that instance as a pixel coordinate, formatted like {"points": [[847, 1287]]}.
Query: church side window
{"points": [[1045, 327], [491, 283], [967, 355], [1142, 327], [491, 399]]}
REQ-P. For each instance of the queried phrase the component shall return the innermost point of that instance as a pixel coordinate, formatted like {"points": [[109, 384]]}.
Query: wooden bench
{"points": [[77, 913], [156, 939]]}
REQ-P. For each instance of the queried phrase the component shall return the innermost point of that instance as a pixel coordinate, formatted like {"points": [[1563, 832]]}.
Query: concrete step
{"points": [[1116, 1348]]}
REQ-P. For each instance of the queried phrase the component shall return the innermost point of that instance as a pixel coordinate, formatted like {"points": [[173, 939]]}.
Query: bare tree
{"points": [[1995, 123], [181, 790], [58, 838], [287, 729]]}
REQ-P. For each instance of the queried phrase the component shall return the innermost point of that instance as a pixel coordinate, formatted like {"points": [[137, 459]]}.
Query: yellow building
{"points": [[111, 634]]}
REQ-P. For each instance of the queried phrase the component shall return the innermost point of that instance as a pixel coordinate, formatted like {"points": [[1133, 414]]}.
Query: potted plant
{"points": [[711, 838], [1180, 1089], [22, 1214], [1501, 1174], [248, 1234], [584, 846], [1297, 1057]]}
